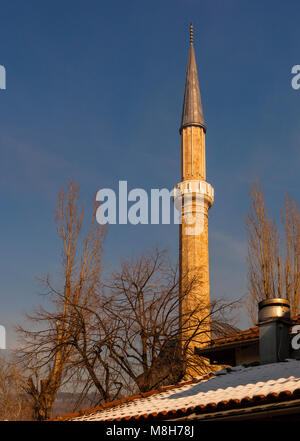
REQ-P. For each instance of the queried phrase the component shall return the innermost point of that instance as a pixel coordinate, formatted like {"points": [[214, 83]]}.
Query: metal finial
{"points": [[191, 33]]}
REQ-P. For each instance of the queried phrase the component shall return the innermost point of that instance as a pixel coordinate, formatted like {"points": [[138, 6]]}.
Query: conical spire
{"points": [[192, 113]]}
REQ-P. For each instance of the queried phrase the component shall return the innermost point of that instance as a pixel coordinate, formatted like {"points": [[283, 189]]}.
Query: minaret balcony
{"points": [[195, 188]]}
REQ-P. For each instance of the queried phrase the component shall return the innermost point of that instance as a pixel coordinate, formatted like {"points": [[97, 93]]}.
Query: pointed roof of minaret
{"points": [[192, 113]]}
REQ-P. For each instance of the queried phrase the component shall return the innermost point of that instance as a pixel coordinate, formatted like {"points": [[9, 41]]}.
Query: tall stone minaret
{"points": [[194, 197]]}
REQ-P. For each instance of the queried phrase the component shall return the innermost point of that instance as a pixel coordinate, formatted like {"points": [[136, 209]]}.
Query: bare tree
{"points": [[134, 337], [45, 351], [273, 261], [291, 259], [263, 249], [152, 342], [95, 370], [15, 404]]}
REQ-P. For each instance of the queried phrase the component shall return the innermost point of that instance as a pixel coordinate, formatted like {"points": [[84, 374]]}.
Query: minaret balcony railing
{"points": [[197, 187]]}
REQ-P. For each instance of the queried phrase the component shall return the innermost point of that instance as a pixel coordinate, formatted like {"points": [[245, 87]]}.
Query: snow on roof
{"points": [[236, 383]]}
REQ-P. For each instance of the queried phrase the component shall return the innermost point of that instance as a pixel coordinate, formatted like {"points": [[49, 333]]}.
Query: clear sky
{"points": [[94, 93]]}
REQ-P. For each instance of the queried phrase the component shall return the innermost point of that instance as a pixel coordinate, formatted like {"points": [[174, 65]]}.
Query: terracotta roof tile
{"points": [[247, 334]]}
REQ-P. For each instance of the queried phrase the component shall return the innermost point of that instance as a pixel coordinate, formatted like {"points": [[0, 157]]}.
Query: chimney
{"points": [[274, 324]]}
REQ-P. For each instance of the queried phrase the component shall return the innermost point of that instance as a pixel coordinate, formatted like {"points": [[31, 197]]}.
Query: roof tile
{"points": [[240, 387]]}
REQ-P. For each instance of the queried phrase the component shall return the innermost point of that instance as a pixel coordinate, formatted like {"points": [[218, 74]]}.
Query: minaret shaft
{"points": [[193, 153], [197, 198]]}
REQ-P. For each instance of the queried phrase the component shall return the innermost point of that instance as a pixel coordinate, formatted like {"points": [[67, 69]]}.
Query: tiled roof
{"points": [[248, 334], [240, 336], [233, 387]]}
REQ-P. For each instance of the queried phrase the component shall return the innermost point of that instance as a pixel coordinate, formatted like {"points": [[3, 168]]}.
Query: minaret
{"points": [[195, 196]]}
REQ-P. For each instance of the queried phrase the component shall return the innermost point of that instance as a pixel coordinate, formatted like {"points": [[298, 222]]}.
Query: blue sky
{"points": [[94, 93]]}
